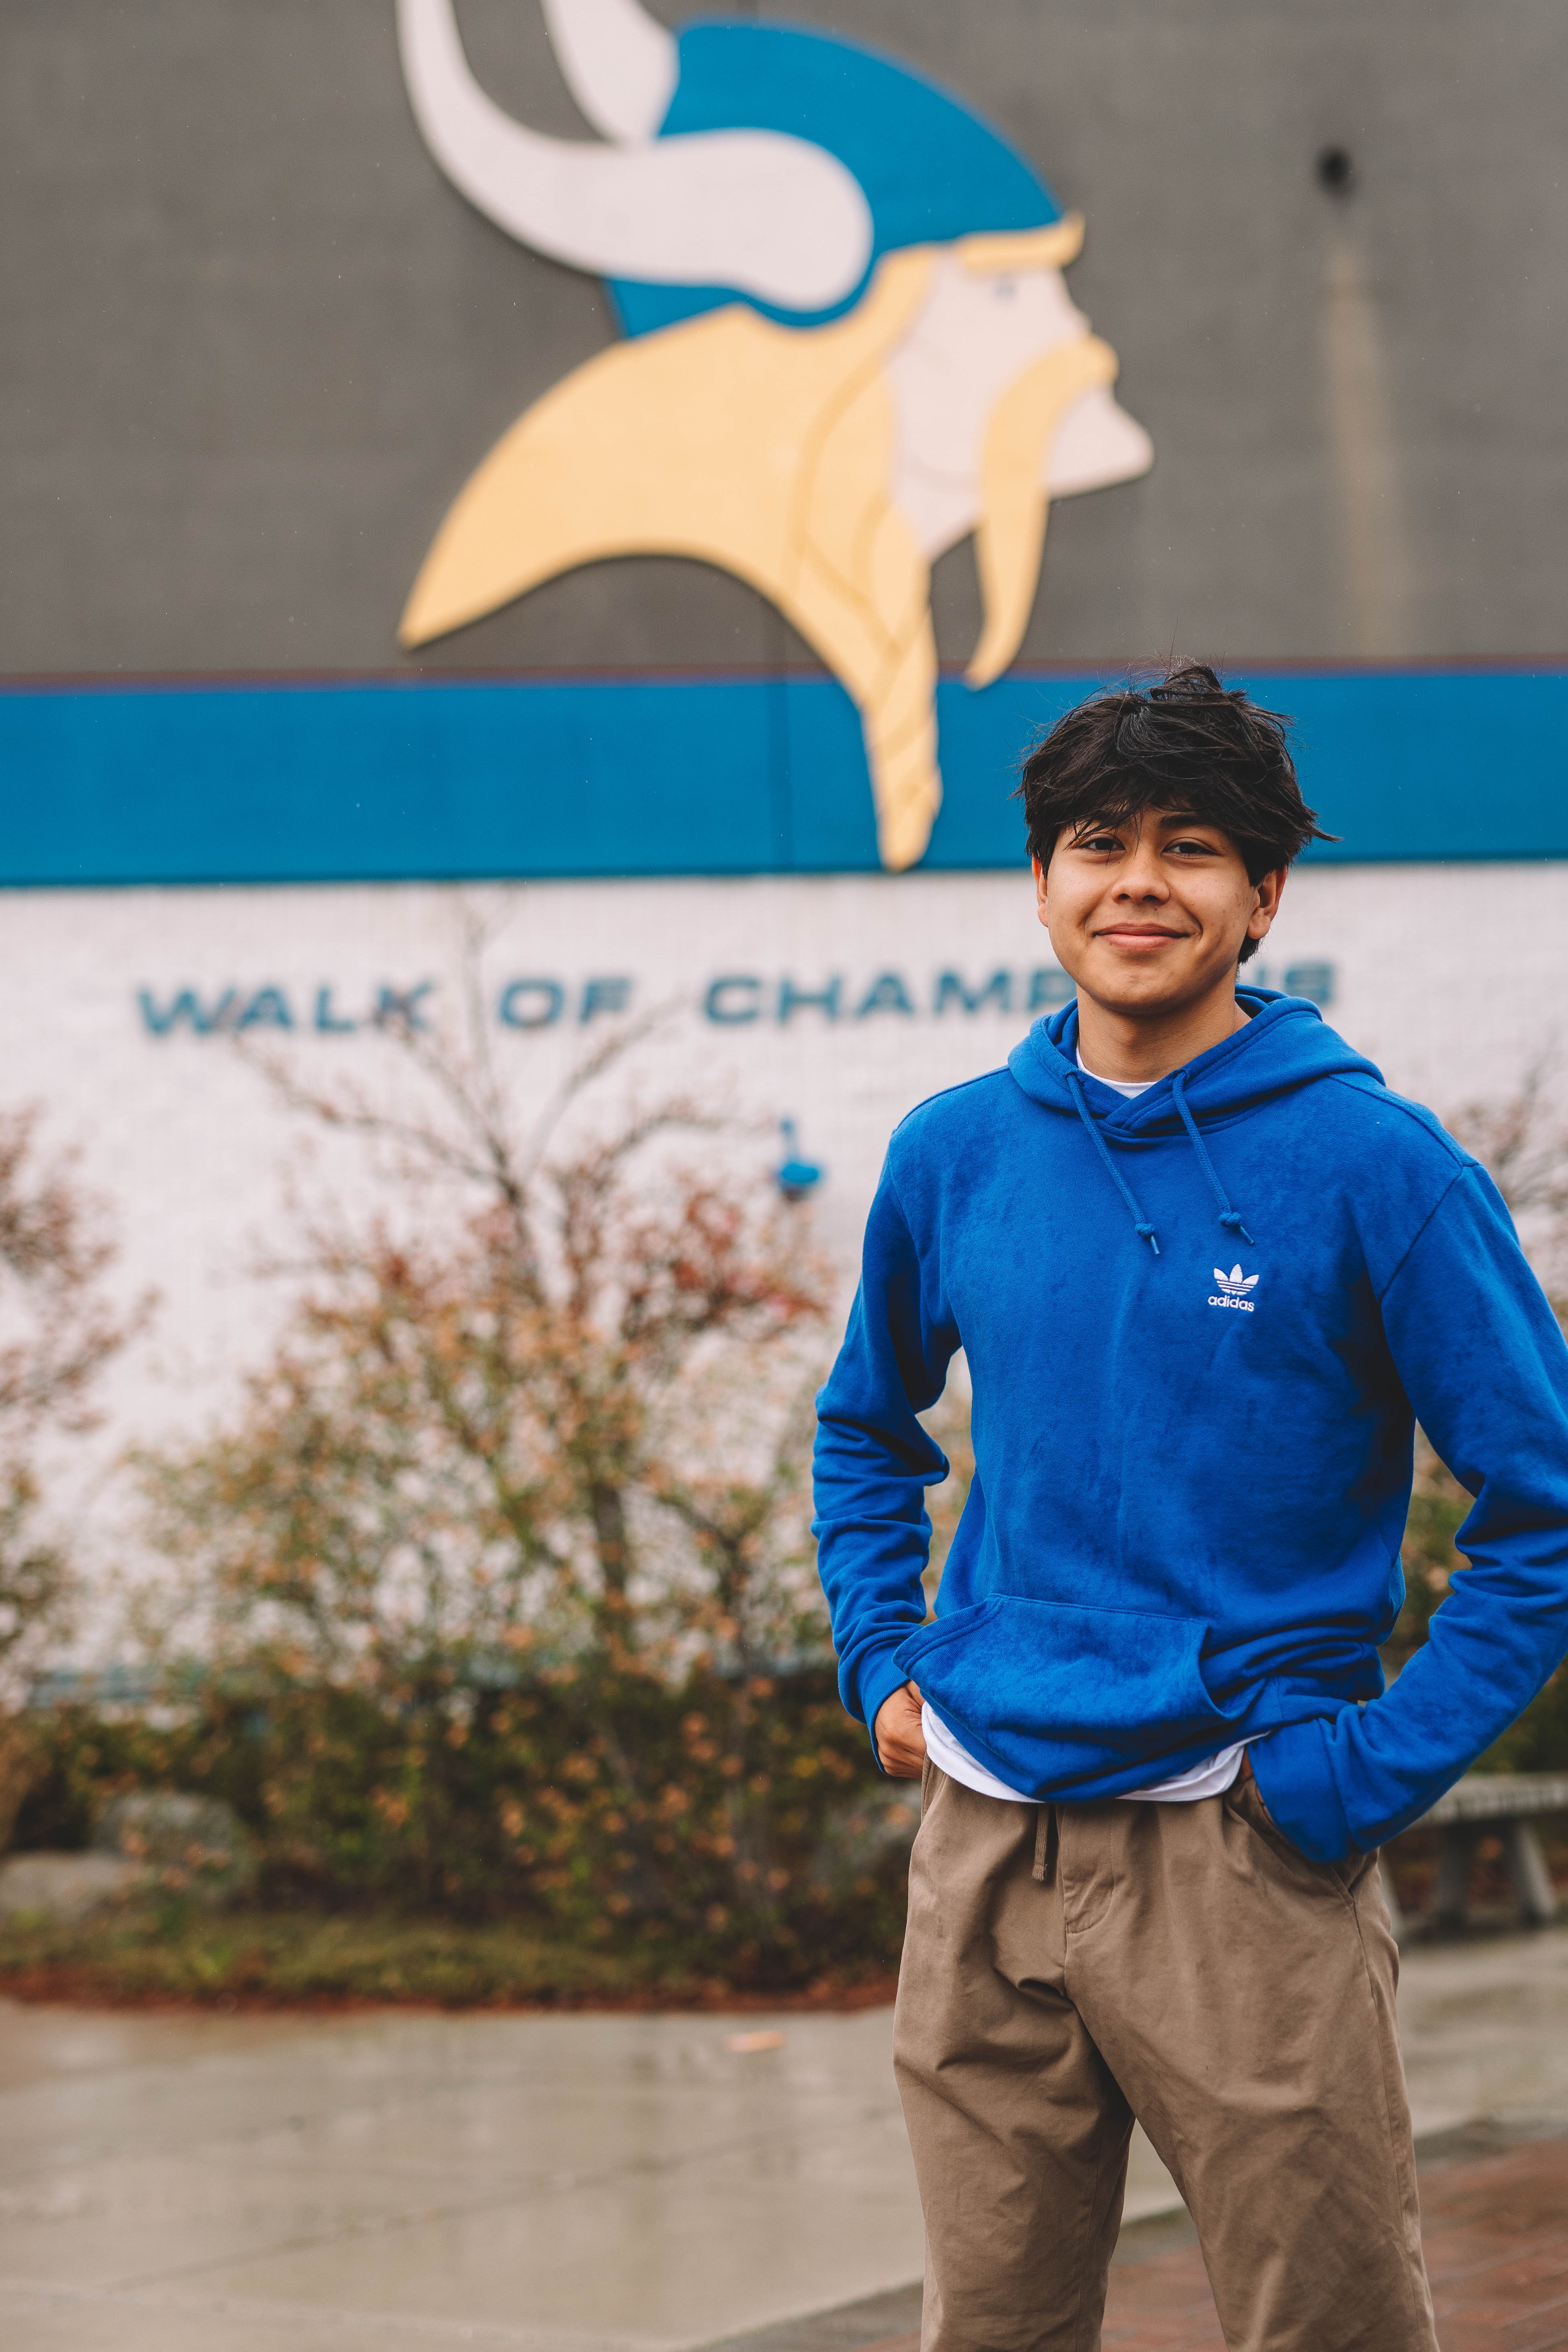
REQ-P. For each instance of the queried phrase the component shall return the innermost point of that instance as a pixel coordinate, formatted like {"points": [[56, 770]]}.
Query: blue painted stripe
{"points": [[449, 780]]}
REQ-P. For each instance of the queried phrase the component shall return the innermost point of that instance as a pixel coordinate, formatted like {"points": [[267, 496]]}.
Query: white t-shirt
{"points": [[1212, 1778]]}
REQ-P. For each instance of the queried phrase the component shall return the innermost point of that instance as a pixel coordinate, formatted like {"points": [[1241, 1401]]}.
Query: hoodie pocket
{"points": [[1061, 1693]]}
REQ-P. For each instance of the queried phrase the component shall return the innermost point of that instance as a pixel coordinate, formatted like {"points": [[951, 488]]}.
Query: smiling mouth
{"points": [[1143, 935]]}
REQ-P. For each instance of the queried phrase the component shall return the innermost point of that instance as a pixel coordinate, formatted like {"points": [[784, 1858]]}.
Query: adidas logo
{"points": [[1234, 1288]]}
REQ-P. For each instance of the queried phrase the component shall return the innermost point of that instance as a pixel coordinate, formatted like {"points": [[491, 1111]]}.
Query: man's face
{"points": [[1149, 915]]}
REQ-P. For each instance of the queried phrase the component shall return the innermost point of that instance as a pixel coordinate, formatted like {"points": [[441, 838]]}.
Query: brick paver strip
{"points": [[1496, 2234]]}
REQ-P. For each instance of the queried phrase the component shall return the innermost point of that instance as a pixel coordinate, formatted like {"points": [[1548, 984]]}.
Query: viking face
{"points": [[814, 396], [980, 329]]}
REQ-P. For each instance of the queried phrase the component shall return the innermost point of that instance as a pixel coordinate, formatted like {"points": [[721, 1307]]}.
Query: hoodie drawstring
{"points": [[1228, 1217], [1141, 1224]]}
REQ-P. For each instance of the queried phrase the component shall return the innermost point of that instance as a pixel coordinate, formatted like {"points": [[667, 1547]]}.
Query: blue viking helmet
{"points": [[929, 168], [738, 162]]}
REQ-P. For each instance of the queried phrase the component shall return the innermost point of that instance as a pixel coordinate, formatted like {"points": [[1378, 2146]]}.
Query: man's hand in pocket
{"points": [[900, 1739]]}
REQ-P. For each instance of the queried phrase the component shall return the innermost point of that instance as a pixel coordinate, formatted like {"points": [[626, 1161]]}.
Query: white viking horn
{"points": [[620, 66], [766, 213]]}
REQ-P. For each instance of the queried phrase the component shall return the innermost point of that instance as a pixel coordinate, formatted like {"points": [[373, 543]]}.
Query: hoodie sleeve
{"points": [[1484, 1364], [874, 1460]]}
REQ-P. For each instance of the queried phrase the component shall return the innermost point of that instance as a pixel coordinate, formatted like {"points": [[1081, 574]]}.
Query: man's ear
{"points": [[1271, 889], [1040, 872]]}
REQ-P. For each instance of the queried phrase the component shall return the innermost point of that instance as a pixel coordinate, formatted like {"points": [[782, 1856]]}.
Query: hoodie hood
{"points": [[1286, 1044]]}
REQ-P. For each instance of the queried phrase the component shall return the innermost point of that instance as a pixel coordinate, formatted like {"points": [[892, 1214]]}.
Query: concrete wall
{"points": [[254, 343], [1451, 978]]}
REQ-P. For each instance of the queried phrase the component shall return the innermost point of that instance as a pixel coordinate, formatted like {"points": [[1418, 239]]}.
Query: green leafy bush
{"points": [[740, 1821]]}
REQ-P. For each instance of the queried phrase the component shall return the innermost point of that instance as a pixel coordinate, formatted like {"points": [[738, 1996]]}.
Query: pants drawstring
{"points": [[1045, 1844]]}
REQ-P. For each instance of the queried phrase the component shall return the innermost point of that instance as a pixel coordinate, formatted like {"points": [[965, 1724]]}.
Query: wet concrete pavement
{"points": [[564, 2184]]}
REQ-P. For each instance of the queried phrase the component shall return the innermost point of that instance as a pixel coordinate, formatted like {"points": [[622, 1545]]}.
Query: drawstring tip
{"points": [[1232, 1218], [1146, 1232]]}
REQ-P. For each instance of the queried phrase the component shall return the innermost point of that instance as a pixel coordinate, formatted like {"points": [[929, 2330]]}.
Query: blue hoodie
{"points": [[1200, 1328]]}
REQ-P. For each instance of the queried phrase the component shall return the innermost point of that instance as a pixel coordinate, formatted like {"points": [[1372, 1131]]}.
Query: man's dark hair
{"points": [[1190, 744]]}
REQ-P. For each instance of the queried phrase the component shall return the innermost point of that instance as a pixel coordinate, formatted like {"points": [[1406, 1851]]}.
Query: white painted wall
{"points": [[1452, 978]]}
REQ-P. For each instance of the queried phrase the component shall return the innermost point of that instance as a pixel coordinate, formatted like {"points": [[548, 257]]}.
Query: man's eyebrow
{"points": [[1115, 819], [1189, 816]]}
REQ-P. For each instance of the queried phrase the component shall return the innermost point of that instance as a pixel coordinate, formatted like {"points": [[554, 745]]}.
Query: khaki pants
{"points": [[1070, 1966]]}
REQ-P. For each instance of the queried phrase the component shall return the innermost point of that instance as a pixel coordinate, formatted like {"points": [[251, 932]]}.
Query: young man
{"points": [[1206, 1271]]}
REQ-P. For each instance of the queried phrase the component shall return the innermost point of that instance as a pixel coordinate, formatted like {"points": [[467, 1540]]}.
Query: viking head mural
{"points": [[848, 345]]}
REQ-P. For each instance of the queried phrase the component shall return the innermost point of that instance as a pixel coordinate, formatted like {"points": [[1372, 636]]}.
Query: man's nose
{"points": [[1142, 878]]}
